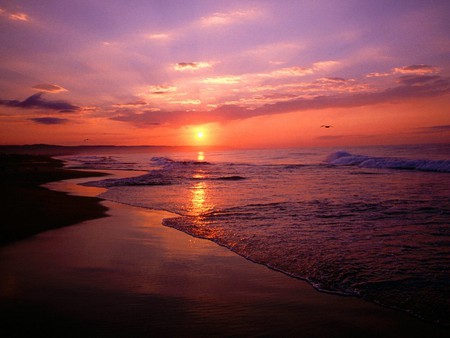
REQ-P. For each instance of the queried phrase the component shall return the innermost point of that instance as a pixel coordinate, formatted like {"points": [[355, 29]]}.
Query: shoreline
{"points": [[128, 274], [29, 208]]}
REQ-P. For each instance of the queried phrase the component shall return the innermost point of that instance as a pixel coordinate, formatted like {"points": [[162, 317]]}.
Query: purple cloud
{"points": [[414, 80], [49, 120], [36, 101]]}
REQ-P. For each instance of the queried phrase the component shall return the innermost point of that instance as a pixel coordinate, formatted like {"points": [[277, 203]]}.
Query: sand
{"points": [[126, 275]]}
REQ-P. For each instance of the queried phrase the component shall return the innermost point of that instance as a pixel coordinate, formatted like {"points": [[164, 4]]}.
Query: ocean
{"points": [[370, 222]]}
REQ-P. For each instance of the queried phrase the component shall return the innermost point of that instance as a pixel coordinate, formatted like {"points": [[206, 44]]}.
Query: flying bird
{"points": [[326, 126]]}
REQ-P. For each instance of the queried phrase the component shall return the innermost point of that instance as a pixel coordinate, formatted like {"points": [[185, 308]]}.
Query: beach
{"points": [[128, 275]]}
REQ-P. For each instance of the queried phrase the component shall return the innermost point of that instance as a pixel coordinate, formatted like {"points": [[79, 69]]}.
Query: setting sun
{"points": [[200, 134]]}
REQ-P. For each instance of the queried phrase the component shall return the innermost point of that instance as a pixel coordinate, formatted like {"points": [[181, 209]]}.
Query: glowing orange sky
{"points": [[246, 74]]}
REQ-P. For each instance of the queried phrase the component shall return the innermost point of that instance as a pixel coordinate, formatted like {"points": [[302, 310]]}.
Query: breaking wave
{"points": [[348, 159]]}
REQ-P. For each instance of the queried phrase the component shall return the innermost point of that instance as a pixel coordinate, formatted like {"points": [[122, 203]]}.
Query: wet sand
{"points": [[126, 275]]}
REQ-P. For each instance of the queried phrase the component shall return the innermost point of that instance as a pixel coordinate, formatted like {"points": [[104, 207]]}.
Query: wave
{"points": [[230, 178], [221, 178], [172, 172], [165, 161], [99, 162], [153, 178], [363, 161]]}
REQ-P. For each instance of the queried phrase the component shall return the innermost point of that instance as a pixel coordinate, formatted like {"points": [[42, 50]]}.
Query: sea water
{"points": [[371, 222]]}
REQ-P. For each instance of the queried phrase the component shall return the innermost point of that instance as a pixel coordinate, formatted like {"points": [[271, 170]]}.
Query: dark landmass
{"points": [[27, 208]]}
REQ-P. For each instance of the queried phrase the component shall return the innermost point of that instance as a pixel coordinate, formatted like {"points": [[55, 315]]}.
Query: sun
{"points": [[199, 135]]}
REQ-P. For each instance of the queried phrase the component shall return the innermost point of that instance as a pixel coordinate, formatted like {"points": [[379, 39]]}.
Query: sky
{"points": [[268, 73]]}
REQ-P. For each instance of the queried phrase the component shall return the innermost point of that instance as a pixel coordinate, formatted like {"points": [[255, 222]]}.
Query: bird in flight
{"points": [[326, 126]]}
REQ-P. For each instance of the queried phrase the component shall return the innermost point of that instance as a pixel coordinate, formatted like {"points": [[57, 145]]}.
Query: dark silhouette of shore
{"points": [[28, 209]]}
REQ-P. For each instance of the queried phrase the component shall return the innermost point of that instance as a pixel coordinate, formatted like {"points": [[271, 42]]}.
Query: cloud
{"points": [[332, 80], [297, 71], [276, 74], [229, 79], [49, 120], [188, 101], [49, 88], [432, 86], [416, 69], [376, 74], [109, 43], [159, 36], [325, 65], [19, 16], [417, 80], [161, 89], [191, 66], [289, 72], [227, 18], [420, 69], [15, 16], [36, 101], [131, 104]]}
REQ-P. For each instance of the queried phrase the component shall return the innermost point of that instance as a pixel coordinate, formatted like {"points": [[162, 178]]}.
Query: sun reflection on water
{"points": [[198, 199], [200, 156], [200, 209], [198, 175]]}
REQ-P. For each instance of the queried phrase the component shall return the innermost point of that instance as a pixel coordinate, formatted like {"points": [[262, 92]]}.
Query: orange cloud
{"points": [[161, 89], [378, 74], [16, 16], [420, 69], [289, 72], [230, 79], [49, 88], [325, 65], [346, 94], [226, 18], [159, 36], [191, 66], [19, 16], [416, 69], [188, 101], [131, 104]]}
